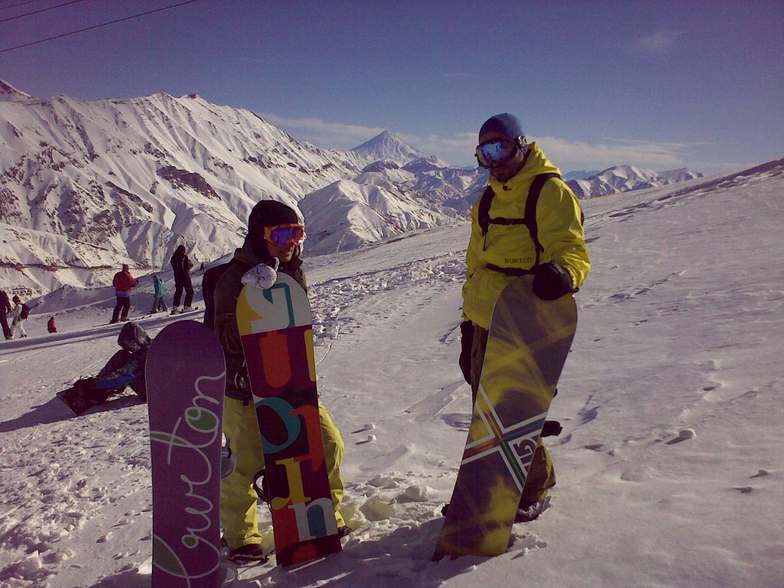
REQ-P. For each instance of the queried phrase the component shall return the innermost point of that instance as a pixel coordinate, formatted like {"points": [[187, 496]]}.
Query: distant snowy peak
{"points": [[624, 178], [388, 146], [9, 93]]}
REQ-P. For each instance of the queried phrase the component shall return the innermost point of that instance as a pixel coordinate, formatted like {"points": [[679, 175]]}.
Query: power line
{"points": [[18, 4], [18, 16], [98, 26]]}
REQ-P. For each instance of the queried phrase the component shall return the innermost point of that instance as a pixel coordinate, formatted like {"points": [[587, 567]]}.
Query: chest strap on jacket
{"points": [[529, 220]]}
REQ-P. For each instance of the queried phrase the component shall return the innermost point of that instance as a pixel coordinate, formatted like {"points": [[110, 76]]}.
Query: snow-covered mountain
{"points": [[623, 178], [372, 206], [388, 146], [85, 186]]}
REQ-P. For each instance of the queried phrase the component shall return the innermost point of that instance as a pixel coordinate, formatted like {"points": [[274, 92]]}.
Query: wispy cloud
{"points": [[659, 42], [568, 154], [458, 148], [457, 75], [329, 134]]}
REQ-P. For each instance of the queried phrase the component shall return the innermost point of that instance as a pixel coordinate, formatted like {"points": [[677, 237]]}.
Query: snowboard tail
{"points": [[527, 346], [277, 340], [186, 378]]}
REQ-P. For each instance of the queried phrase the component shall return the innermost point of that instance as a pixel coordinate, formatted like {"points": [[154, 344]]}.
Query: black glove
{"points": [[466, 341], [551, 281]]}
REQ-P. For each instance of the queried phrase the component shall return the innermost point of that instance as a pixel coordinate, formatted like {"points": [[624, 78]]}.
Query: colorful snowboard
{"points": [[277, 340], [186, 379], [526, 349]]}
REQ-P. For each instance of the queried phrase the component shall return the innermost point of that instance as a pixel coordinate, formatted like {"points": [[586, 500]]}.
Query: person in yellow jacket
{"points": [[502, 247], [272, 245]]}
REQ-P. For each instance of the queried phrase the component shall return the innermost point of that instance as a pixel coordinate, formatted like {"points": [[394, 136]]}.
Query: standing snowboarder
{"points": [[159, 293], [502, 246], [182, 280], [5, 308], [123, 283], [260, 252], [51, 326]]}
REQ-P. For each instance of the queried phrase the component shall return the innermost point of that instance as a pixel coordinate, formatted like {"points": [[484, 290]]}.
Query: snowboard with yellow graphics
{"points": [[277, 341], [527, 345]]}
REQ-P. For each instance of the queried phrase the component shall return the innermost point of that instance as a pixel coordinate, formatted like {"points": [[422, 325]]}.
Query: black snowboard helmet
{"points": [[268, 213]]}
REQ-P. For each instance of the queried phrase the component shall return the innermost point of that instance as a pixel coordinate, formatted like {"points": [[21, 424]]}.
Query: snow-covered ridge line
{"points": [[624, 178]]}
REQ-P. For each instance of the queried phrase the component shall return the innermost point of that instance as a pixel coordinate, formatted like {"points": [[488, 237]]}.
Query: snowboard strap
{"points": [[529, 220]]}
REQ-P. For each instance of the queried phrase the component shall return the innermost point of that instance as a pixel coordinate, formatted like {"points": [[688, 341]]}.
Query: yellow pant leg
{"points": [[238, 498], [333, 457]]}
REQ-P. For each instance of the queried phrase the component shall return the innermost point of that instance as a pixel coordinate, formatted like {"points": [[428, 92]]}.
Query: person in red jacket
{"points": [[123, 283], [51, 326]]}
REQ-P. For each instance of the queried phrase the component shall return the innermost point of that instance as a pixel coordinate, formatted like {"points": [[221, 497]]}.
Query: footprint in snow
{"points": [[364, 428], [683, 435]]}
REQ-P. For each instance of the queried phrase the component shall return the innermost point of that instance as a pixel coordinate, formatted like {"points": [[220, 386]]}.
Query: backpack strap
{"points": [[483, 214], [530, 210]]}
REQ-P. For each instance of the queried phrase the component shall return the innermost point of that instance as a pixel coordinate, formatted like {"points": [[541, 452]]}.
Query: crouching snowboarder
{"points": [[124, 368]]}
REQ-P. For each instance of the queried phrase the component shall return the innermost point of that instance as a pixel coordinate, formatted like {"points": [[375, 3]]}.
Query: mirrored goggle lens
{"points": [[285, 235], [494, 152]]}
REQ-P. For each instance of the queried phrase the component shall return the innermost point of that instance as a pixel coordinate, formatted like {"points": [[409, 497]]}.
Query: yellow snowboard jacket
{"points": [[560, 232]]}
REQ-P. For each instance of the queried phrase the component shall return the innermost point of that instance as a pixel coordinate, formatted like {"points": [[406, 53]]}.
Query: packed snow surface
{"points": [[670, 467]]}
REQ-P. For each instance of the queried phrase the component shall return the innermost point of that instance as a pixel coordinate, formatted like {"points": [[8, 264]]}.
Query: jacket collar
{"points": [[537, 163]]}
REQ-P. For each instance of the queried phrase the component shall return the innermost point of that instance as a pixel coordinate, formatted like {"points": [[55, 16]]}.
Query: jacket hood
{"points": [[132, 338], [536, 163]]}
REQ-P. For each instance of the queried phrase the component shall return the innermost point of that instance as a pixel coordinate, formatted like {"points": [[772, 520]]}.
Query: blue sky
{"points": [[656, 84]]}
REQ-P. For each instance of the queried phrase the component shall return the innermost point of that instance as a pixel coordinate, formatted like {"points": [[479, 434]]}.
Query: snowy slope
{"points": [[670, 471]]}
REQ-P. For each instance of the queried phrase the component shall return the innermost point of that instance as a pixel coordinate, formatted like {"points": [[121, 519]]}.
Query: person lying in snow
{"points": [[124, 368]]}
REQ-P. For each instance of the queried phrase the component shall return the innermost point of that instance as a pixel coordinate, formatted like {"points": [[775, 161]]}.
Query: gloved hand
{"points": [[551, 281], [262, 276], [466, 341], [228, 461]]}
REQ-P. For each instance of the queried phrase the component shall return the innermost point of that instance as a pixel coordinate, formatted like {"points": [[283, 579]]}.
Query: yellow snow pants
{"points": [[238, 497]]}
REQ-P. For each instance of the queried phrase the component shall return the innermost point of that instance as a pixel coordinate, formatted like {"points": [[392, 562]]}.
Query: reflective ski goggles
{"points": [[496, 151], [285, 234]]}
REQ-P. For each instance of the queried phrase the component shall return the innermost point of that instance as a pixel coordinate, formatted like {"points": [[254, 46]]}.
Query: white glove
{"points": [[262, 276]]}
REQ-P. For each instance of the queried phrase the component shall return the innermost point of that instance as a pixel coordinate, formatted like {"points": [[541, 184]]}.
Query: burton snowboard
{"points": [[186, 377], [527, 346], [277, 341]]}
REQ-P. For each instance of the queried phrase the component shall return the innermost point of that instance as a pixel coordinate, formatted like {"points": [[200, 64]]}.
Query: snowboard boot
{"points": [[530, 512], [251, 553], [176, 310]]}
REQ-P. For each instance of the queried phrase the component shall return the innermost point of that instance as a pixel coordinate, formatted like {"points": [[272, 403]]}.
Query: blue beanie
{"points": [[504, 123]]}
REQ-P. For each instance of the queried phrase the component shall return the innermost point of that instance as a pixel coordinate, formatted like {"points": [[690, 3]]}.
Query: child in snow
{"points": [[158, 303], [19, 315]]}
